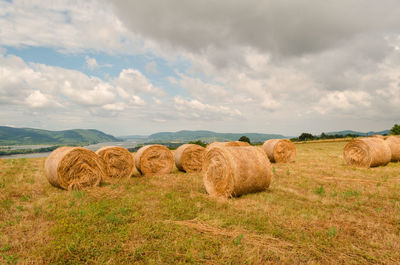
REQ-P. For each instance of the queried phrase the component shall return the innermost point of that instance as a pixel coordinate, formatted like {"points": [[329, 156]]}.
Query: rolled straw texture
{"points": [[74, 168], [367, 152], [394, 145], [233, 171], [154, 159], [233, 143], [118, 161], [189, 157], [280, 150], [378, 136]]}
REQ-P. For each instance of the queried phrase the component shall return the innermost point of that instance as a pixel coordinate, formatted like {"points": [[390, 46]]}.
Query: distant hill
{"points": [[133, 137], [28, 136], [359, 133], [209, 136]]}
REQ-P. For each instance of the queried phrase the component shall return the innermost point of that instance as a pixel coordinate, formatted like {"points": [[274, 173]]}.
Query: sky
{"points": [[140, 67]]}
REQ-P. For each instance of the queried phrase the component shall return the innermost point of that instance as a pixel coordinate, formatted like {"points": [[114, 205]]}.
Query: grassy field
{"points": [[317, 211]]}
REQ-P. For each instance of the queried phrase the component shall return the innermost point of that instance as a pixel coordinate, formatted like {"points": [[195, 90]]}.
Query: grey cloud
{"points": [[284, 27]]}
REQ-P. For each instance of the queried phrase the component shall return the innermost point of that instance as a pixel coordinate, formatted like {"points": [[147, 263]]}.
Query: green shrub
{"points": [[244, 139], [395, 130], [198, 142]]}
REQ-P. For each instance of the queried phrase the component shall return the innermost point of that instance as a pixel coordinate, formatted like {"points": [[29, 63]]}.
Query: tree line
{"points": [[28, 150]]}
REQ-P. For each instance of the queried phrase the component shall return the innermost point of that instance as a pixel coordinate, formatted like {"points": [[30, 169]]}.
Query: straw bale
{"points": [[154, 159], [367, 152], [74, 168], [394, 145], [189, 157], [233, 143], [118, 161], [280, 150], [233, 171]]}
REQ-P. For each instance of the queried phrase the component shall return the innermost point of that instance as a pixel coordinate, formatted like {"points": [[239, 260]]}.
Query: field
{"points": [[317, 211]]}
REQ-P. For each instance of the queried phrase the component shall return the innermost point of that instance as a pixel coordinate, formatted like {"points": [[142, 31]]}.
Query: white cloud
{"points": [[157, 100], [159, 120], [137, 101], [115, 106], [98, 94], [192, 108], [37, 100], [41, 86], [133, 80], [91, 63], [71, 26], [343, 101], [200, 89], [151, 68]]}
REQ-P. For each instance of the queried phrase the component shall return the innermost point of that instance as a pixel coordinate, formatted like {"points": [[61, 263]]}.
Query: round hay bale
{"points": [[189, 157], [280, 150], [367, 152], [378, 136], [74, 168], [118, 161], [233, 171], [154, 159], [394, 145], [233, 143]]}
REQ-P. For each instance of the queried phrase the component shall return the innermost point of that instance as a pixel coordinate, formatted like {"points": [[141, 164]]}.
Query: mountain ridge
{"points": [[345, 132], [209, 136], [32, 136]]}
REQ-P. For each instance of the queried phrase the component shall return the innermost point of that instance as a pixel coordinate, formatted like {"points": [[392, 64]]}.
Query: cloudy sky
{"points": [[139, 67]]}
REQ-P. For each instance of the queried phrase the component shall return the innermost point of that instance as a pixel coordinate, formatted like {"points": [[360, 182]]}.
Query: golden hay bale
{"points": [[118, 161], [367, 152], [280, 150], [233, 171], [74, 168], [189, 157], [154, 159], [378, 136], [394, 145], [233, 143]]}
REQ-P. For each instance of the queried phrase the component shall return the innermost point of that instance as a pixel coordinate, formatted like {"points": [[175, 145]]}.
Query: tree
{"points": [[395, 130], [306, 136], [244, 139], [199, 142]]}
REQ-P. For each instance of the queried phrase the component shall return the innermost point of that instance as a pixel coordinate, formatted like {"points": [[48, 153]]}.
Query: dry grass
{"points": [[317, 211]]}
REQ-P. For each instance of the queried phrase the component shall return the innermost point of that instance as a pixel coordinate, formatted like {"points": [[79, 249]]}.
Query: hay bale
{"points": [[233, 143], [233, 171], [394, 145], [378, 136], [74, 168], [367, 152], [280, 150], [189, 157], [154, 159], [118, 161]]}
